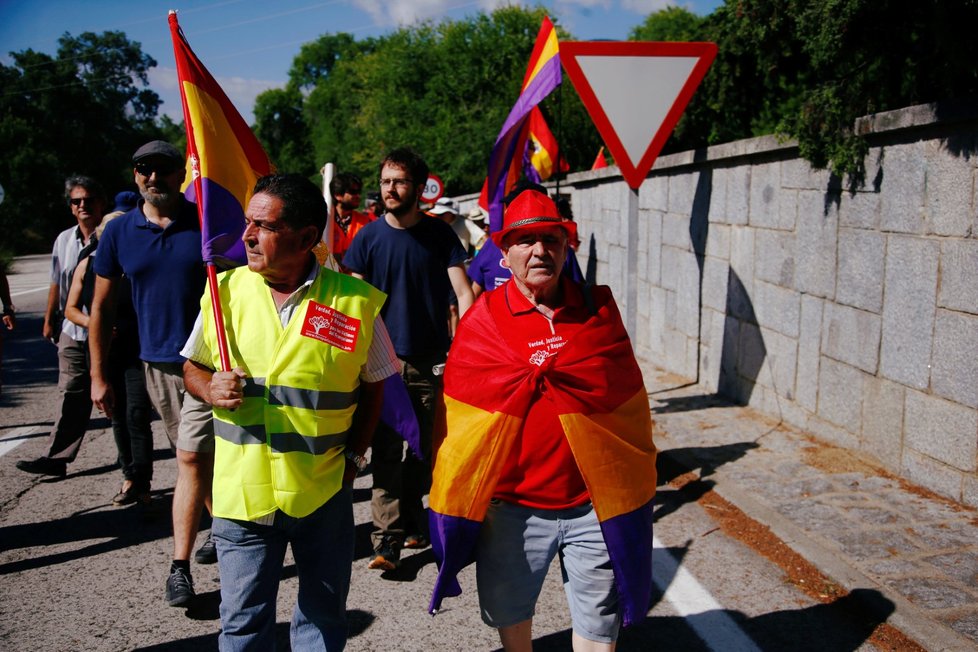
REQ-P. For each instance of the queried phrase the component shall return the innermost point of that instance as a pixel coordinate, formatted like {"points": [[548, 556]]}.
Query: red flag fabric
{"points": [[600, 161]]}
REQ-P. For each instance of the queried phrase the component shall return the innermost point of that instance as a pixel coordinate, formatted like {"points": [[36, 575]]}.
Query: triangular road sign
{"points": [[635, 93]]}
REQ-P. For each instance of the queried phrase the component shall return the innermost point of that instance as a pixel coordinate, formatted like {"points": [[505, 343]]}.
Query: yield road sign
{"points": [[635, 93]]}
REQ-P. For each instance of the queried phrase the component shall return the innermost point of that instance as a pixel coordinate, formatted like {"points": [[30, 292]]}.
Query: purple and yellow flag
{"points": [[603, 407], [542, 77], [224, 158]]}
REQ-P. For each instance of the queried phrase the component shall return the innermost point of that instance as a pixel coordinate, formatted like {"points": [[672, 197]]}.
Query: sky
{"points": [[249, 45]]}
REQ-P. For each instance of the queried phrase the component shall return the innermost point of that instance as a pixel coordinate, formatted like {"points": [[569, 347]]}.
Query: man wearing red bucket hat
{"points": [[550, 452]]}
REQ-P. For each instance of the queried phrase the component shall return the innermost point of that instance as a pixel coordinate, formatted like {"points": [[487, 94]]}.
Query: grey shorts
{"points": [[188, 421], [517, 545]]}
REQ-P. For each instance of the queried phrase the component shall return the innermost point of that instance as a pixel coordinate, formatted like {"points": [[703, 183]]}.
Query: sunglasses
{"points": [[161, 169], [77, 201]]}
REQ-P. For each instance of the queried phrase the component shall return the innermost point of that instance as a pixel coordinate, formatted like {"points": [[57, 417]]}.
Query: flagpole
{"points": [[560, 134]]}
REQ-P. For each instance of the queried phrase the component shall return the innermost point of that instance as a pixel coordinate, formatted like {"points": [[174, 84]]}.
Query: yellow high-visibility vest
{"points": [[282, 449]]}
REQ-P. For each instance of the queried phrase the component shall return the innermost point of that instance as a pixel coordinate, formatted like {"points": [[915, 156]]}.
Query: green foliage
{"points": [[83, 111], [669, 24], [444, 89]]}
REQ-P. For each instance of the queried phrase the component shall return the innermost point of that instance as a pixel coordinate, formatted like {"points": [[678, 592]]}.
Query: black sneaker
{"points": [[44, 466], [179, 588], [207, 553], [387, 556]]}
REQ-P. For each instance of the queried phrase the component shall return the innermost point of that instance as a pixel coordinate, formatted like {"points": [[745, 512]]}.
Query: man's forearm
{"points": [[197, 380], [366, 417]]}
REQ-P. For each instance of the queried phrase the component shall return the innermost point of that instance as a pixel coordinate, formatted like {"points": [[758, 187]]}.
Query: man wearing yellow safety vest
{"points": [[292, 419]]}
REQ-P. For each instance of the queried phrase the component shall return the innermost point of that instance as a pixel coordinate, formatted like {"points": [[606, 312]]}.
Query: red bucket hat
{"points": [[532, 209]]}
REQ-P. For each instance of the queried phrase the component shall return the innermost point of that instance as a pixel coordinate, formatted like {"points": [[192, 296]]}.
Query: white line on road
{"points": [[15, 438], [22, 292], [694, 603]]}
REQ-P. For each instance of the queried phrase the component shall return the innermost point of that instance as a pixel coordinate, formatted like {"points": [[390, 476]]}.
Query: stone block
{"points": [[798, 174], [831, 433], [777, 308], [675, 351], [742, 256], [809, 348], [902, 188], [718, 242], [840, 394], [942, 430], [657, 319], [851, 336], [959, 269], [672, 259], [687, 296], [948, 204], [931, 593], [711, 348], [816, 239], [738, 184], [782, 360], [882, 435], [788, 209], [969, 491], [954, 369], [908, 310], [752, 356], [766, 197], [675, 231], [860, 279], [860, 210], [774, 257], [655, 194], [715, 275], [931, 474], [718, 195], [682, 188]]}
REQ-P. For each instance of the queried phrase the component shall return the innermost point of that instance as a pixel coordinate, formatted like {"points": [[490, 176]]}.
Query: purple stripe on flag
{"points": [[459, 535], [397, 412], [629, 541], [546, 80], [221, 232]]}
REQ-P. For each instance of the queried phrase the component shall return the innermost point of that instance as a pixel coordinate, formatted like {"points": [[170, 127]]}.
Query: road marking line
{"points": [[694, 603], [15, 438], [22, 292]]}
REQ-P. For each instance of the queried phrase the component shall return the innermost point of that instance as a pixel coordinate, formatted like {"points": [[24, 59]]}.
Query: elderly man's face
{"points": [[85, 205], [274, 249], [158, 179], [536, 256]]}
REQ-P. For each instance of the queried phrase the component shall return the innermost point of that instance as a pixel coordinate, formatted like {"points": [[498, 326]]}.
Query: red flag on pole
{"points": [[600, 161]]}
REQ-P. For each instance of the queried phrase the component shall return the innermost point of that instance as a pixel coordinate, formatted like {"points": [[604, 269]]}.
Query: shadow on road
{"points": [[113, 528], [842, 625]]}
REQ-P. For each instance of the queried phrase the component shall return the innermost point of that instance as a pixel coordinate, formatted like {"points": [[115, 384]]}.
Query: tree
{"points": [[95, 111], [669, 24]]}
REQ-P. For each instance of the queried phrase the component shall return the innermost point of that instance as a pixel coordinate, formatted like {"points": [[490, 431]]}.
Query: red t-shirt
{"points": [[541, 471]]}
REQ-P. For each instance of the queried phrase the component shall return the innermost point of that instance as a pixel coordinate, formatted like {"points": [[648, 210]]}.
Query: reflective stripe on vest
{"points": [[280, 442]]}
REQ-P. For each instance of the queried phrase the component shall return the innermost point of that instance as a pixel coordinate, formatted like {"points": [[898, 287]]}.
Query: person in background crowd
{"points": [[86, 200], [157, 245], [131, 418], [417, 262], [345, 188], [9, 317]]}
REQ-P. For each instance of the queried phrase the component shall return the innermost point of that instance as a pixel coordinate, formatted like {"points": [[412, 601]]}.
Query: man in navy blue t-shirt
{"points": [[416, 260], [157, 245]]}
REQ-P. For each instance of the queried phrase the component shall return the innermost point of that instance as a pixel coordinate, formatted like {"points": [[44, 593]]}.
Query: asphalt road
{"points": [[80, 574]]}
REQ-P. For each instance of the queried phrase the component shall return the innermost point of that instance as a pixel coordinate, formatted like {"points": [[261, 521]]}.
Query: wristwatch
{"points": [[359, 461]]}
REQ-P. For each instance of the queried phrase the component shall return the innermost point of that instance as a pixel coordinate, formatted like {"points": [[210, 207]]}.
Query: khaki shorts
{"points": [[188, 421]]}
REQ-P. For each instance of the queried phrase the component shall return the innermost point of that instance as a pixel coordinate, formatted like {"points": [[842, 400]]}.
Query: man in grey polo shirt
{"points": [[86, 201]]}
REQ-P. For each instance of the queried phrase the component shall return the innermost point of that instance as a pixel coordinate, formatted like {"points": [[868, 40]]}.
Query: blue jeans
{"points": [[250, 558]]}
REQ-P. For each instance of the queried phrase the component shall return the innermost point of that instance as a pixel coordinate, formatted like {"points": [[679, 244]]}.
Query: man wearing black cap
{"points": [[158, 246]]}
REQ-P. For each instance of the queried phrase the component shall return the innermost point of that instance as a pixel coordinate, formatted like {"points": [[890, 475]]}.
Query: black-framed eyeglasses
{"points": [[400, 183], [161, 169], [77, 201]]}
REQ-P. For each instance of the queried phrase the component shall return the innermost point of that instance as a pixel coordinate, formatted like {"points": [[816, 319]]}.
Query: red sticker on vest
{"points": [[331, 326]]}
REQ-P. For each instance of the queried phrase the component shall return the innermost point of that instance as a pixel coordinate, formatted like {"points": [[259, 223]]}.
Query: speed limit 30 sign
{"points": [[433, 190]]}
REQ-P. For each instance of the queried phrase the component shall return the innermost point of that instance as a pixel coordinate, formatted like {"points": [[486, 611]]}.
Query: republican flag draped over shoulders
{"points": [[224, 158], [542, 77], [597, 388]]}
